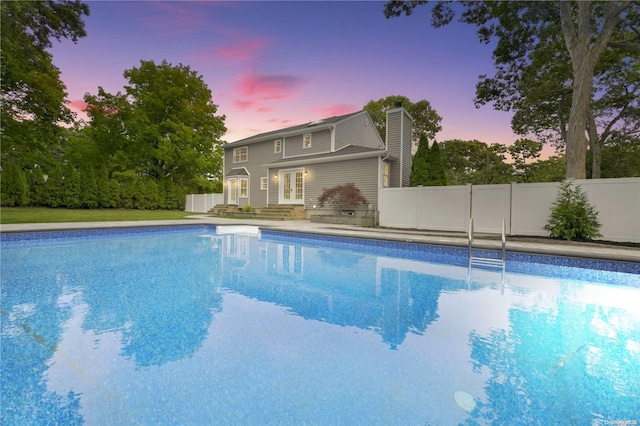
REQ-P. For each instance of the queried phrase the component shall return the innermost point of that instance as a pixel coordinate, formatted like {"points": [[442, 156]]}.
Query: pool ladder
{"points": [[487, 261]]}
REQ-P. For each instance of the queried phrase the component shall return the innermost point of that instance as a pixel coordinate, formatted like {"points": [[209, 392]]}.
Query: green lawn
{"points": [[46, 215]]}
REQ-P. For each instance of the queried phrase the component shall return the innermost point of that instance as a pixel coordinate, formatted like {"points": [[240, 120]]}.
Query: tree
{"points": [[474, 162], [164, 127], [426, 119], [523, 29], [88, 189], [15, 191], [572, 217], [427, 168], [521, 151], [35, 179], [346, 195], [437, 175], [419, 164], [32, 93], [550, 170]]}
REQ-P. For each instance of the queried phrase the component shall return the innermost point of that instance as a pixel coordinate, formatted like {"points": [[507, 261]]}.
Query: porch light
{"points": [[306, 172], [275, 176]]}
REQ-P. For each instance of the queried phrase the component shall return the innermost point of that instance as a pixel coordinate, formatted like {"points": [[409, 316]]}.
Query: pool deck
{"points": [[488, 241]]}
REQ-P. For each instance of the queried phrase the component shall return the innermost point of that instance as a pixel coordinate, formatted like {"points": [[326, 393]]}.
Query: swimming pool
{"points": [[190, 325]]}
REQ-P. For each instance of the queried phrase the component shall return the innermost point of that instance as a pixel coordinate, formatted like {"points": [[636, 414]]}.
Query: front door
{"points": [[232, 191], [291, 186]]}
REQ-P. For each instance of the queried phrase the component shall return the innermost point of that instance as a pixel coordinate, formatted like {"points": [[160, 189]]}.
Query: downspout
{"points": [[332, 128]]}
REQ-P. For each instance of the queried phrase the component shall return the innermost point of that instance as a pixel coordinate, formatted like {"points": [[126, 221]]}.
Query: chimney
{"points": [[398, 140]]}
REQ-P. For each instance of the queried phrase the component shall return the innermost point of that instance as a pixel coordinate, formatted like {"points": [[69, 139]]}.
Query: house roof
{"points": [[313, 125], [238, 172], [348, 152]]}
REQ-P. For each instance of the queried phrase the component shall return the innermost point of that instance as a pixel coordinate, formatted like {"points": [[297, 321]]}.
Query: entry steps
{"points": [[487, 262]]}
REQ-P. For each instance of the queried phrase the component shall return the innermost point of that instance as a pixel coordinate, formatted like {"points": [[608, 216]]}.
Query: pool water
{"points": [[188, 325]]}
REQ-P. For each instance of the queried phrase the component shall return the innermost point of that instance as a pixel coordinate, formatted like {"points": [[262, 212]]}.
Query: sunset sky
{"points": [[277, 64]]}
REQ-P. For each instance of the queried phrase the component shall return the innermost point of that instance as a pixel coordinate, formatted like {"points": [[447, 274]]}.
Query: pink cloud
{"points": [[280, 122], [243, 105], [258, 86], [174, 16], [77, 105], [335, 109], [242, 51]]}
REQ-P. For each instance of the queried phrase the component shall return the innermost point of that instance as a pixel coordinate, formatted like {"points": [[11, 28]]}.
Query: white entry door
{"points": [[232, 191], [291, 186]]}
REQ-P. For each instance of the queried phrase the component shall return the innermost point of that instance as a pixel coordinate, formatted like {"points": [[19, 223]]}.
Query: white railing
{"points": [[202, 203]]}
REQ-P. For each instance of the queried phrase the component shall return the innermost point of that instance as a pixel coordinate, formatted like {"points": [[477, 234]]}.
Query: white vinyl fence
{"points": [[524, 206], [202, 203]]}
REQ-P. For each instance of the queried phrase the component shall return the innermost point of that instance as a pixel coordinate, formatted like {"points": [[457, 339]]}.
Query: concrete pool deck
{"points": [[534, 245]]}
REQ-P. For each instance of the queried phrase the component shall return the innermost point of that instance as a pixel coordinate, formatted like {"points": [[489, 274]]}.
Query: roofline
{"points": [[275, 134], [330, 159]]}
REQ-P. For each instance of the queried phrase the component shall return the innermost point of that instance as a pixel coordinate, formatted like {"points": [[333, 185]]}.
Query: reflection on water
{"points": [[105, 332]]}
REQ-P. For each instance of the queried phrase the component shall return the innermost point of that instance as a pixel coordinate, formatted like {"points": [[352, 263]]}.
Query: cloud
{"points": [[173, 17], [264, 87], [282, 123], [243, 105], [335, 109], [77, 105], [241, 51]]}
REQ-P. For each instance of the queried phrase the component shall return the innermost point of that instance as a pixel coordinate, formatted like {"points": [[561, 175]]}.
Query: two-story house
{"points": [[294, 165]]}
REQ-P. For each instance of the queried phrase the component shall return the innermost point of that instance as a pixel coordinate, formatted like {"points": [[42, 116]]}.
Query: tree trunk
{"points": [[585, 52], [596, 148], [576, 137]]}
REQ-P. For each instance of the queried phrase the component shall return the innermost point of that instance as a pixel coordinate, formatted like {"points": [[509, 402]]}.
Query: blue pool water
{"points": [[187, 326]]}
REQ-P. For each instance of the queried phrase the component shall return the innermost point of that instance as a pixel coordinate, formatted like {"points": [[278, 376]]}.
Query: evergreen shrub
{"points": [[572, 217]]}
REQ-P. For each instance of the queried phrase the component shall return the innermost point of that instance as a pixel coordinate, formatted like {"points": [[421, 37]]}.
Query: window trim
{"points": [[306, 141], [246, 188], [277, 146], [264, 183], [238, 155], [385, 174]]}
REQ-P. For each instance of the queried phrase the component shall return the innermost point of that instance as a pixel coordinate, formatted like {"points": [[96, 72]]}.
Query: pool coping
{"points": [[553, 247]]}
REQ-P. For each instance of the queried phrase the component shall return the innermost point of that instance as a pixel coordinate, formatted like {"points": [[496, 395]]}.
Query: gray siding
{"points": [[258, 155], [358, 131], [363, 173], [406, 149], [320, 142], [399, 127], [394, 147]]}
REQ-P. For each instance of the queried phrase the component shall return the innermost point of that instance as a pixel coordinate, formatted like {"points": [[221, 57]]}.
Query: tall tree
{"points": [[419, 164], [524, 30], [426, 119], [32, 93], [437, 175], [163, 128]]}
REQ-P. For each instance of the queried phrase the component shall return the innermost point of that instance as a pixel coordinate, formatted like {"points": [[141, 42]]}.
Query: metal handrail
{"points": [[470, 236], [486, 260]]}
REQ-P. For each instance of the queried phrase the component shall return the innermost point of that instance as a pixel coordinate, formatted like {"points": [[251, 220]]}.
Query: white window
{"points": [[244, 187], [277, 146], [263, 183], [385, 175], [306, 140], [240, 155]]}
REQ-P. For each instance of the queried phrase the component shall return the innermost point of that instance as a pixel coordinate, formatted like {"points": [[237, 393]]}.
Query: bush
{"points": [[15, 190], [572, 216], [346, 195], [247, 209]]}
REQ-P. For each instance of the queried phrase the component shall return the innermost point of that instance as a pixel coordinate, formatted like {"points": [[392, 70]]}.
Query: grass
{"points": [[45, 215]]}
